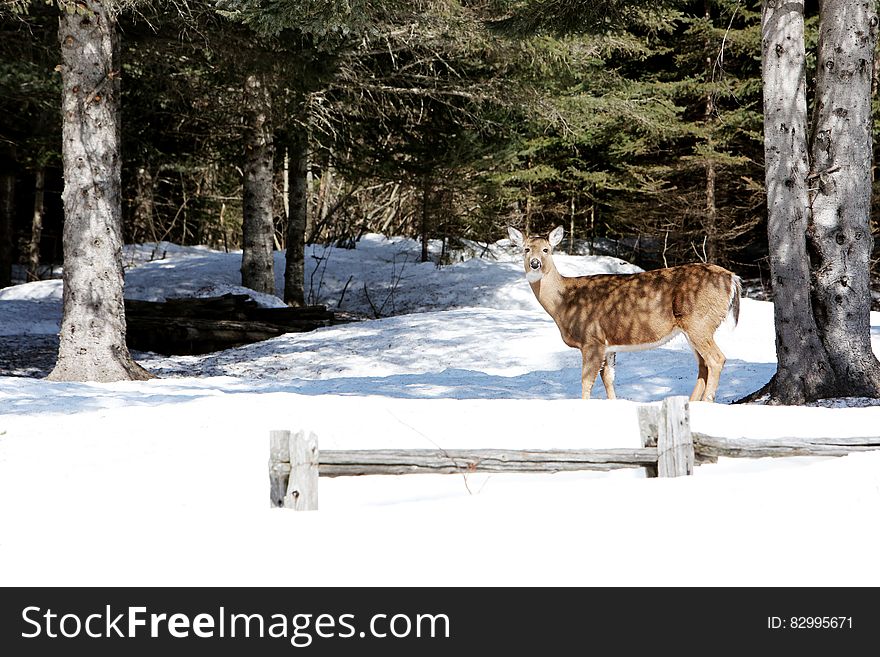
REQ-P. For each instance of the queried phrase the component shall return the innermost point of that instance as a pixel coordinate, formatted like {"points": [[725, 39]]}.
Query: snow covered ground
{"points": [[165, 482]]}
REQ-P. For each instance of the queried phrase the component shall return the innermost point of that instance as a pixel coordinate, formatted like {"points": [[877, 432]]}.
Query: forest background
{"points": [[645, 142]]}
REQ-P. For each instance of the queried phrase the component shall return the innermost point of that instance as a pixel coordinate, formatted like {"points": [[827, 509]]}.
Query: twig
{"points": [[342, 296], [370, 301], [464, 469], [394, 282], [314, 294]]}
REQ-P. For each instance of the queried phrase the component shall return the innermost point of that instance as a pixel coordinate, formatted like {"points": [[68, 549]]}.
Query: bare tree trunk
{"points": [[325, 190], [92, 340], [426, 192], [143, 228], [803, 370], [294, 274], [528, 209], [285, 184], [839, 236], [592, 222], [7, 210], [711, 213], [33, 273], [711, 225], [258, 231], [310, 215]]}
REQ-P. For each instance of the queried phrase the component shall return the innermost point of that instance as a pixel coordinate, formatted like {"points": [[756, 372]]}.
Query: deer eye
{"points": [[526, 250], [546, 250]]}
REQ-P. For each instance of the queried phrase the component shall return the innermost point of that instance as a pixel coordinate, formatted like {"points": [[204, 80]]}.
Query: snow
{"points": [[165, 482]]}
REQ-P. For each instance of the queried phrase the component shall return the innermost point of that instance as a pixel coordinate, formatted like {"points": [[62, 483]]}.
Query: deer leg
{"points": [[702, 374], [593, 358], [714, 360], [607, 373]]}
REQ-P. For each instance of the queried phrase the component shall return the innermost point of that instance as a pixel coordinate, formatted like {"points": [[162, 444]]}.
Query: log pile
{"points": [[190, 326]]}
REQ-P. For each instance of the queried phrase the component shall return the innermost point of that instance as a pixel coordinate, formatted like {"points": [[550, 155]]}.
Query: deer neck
{"points": [[548, 290]]}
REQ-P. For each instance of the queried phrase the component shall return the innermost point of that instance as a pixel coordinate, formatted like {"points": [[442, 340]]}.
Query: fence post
{"points": [[675, 444], [649, 418], [279, 466], [302, 487], [293, 470]]}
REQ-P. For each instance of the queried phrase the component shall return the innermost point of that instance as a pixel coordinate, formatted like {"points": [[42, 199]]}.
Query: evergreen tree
{"points": [[649, 129], [92, 339], [298, 32], [818, 197], [258, 228]]}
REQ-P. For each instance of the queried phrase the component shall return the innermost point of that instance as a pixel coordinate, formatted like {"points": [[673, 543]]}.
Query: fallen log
{"points": [[192, 326]]}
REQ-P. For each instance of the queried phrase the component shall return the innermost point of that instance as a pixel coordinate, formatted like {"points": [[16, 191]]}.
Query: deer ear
{"points": [[515, 236], [555, 236]]}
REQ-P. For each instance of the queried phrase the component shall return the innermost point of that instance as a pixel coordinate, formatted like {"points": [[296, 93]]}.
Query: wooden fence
{"points": [[669, 449]]}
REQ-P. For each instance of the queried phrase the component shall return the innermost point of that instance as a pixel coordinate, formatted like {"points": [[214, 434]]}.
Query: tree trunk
{"points": [[7, 209], [258, 230], [33, 273], [294, 274], [92, 340], [839, 235], [711, 225], [143, 228], [711, 252], [875, 84], [803, 371], [426, 192], [325, 193], [528, 209], [285, 184], [592, 219]]}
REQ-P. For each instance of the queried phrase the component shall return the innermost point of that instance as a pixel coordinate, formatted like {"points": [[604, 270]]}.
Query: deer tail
{"points": [[735, 294]]}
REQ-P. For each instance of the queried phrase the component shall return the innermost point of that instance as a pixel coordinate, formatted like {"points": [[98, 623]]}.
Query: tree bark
{"points": [[33, 273], [839, 235], [92, 340], [7, 209], [803, 371], [258, 230], [298, 210]]}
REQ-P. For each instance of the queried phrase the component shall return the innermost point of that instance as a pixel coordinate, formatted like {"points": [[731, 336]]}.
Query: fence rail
{"points": [[757, 448], [670, 449], [340, 463]]}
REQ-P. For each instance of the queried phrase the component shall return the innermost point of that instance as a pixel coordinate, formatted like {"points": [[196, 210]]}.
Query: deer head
{"points": [[537, 251]]}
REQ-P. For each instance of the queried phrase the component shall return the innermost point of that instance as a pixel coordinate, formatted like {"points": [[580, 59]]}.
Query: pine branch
{"points": [[561, 17]]}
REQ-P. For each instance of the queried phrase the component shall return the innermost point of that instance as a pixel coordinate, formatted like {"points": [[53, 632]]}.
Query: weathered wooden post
{"points": [[668, 428], [279, 466], [675, 445], [302, 488], [649, 419], [293, 470]]}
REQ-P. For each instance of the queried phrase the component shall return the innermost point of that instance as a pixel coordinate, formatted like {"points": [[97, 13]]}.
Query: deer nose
{"points": [[534, 263]]}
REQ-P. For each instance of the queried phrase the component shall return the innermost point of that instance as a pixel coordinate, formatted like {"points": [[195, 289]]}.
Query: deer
{"points": [[602, 314]]}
